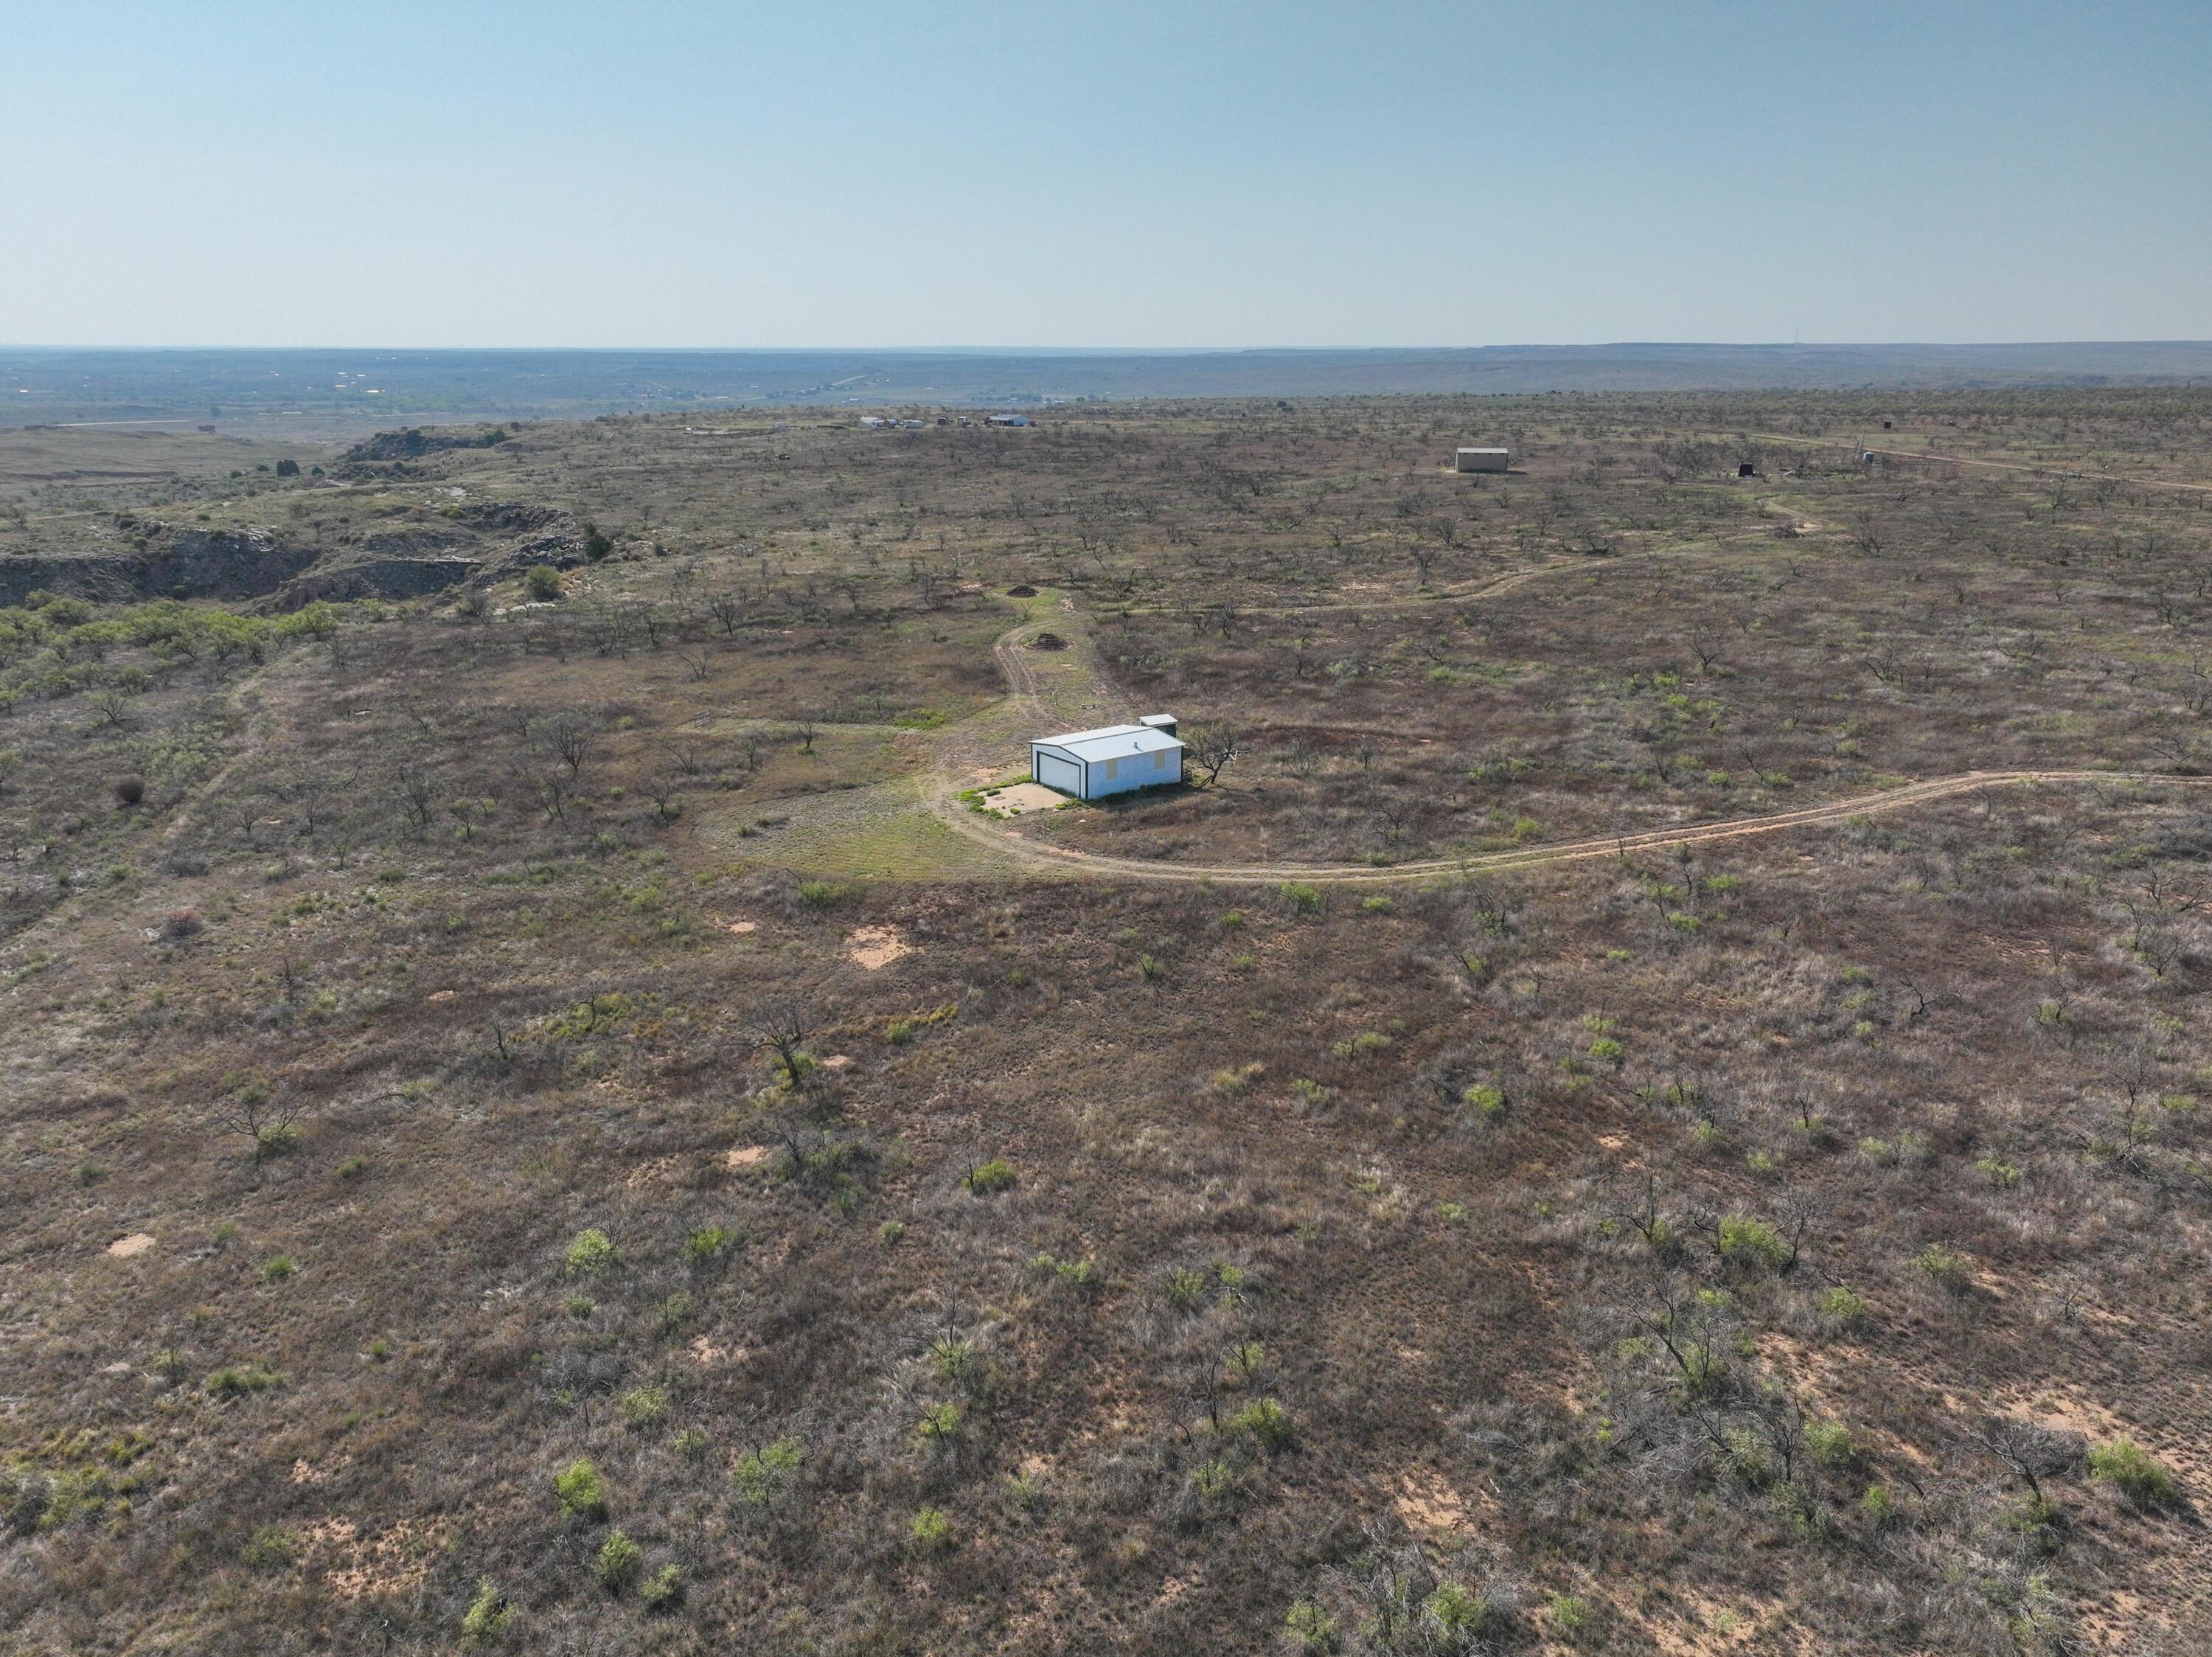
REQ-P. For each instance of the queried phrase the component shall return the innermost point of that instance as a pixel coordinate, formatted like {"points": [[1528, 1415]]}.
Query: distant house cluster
{"points": [[893, 422]]}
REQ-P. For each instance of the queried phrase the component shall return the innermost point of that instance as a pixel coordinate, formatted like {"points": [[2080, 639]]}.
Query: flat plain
{"points": [[1649, 1096]]}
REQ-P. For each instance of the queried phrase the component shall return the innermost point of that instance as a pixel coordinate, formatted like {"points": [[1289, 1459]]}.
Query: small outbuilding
{"points": [[1481, 459], [1008, 420], [1112, 759], [1745, 469]]}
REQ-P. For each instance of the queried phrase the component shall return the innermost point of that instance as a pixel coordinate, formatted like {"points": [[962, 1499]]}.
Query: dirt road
{"points": [[1026, 708]]}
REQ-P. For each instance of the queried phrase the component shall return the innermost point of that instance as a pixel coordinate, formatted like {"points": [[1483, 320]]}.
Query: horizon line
{"points": [[1165, 350]]}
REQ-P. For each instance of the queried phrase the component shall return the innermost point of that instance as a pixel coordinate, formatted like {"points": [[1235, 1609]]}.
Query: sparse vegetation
{"points": [[1394, 1250]]}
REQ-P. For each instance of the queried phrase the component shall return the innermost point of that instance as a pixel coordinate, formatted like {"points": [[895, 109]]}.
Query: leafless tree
{"points": [[1213, 748], [269, 1122]]}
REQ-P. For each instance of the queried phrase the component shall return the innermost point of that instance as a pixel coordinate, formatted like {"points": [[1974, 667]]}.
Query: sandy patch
{"points": [[394, 1563], [872, 946], [1022, 797], [743, 927], [305, 1472], [136, 1243], [707, 1355], [838, 1061], [120, 1367], [442, 995], [746, 1156], [1430, 1507]]}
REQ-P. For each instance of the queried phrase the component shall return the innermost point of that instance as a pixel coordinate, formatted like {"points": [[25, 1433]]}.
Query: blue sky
{"points": [[1088, 172]]}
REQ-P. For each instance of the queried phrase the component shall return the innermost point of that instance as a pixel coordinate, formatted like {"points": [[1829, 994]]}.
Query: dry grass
{"points": [[1331, 1251]]}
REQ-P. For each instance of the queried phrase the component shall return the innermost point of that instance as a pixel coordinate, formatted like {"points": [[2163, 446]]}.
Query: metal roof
{"points": [[1108, 740]]}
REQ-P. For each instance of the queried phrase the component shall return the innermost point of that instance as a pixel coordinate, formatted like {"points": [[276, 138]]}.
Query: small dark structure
{"points": [[1889, 425], [1745, 469]]}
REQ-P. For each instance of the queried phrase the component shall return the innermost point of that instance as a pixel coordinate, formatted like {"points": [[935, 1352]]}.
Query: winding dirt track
{"points": [[1022, 686]]}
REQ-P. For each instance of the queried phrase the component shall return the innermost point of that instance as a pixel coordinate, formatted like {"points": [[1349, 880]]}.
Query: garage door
{"points": [[1062, 774]]}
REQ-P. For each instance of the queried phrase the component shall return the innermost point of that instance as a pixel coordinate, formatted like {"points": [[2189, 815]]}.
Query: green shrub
{"points": [[1830, 1443], [1840, 1307], [1187, 1289], [819, 894], [1747, 1242], [488, 1615], [592, 1254], [1606, 1051], [932, 1531], [956, 1361], [763, 1474], [663, 1590], [1488, 1102], [1569, 1613], [620, 1560], [542, 582], [270, 1549], [987, 1178], [1376, 906], [940, 1422], [1268, 1422], [1302, 899], [581, 1490], [278, 1267], [1310, 1629], [1879, 1505], [642, 1406], [1457, 1614], [1947, 1270], [236, 1381], [709, 1243], [1212, 1480], [2142, 1477]]}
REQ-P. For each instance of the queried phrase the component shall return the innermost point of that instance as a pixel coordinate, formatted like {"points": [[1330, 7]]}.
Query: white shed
{"points": [[1481, 459], [1113, 759]]}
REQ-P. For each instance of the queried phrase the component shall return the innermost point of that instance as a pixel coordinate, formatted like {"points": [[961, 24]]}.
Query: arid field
{"points": [[1649, 1094]]}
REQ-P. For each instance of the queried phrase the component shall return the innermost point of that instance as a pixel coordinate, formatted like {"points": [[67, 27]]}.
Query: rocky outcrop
{"points": [[401, 560], [414, 443], [168, 563], [376, 578]]}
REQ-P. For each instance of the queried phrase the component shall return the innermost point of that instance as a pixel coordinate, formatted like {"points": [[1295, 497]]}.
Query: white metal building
{"points": [[1482, 459], [1112, 759]]}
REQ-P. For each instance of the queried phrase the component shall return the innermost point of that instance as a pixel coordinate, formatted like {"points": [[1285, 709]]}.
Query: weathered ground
{"points": [[1504, 1206]]}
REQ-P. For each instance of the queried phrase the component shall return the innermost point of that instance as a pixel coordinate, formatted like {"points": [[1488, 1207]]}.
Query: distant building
{"points": [[1113, 759], [1009, 420], [1745, 469], [1481, 459]]}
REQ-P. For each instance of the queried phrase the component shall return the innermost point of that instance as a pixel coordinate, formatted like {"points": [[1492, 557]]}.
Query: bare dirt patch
{"points": [[1022, 797], [1430, 1507], [871, 947], [136, 1243], [746, 1156]]}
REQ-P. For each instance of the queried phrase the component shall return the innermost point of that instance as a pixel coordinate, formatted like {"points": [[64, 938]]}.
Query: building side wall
{"points": [[1135, 771], [1483, 462]]}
